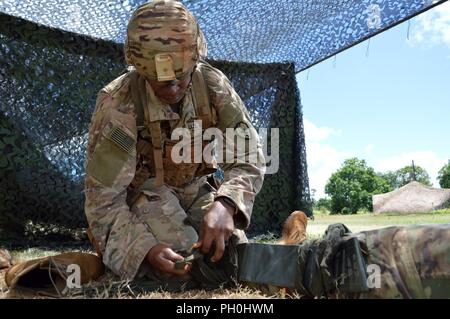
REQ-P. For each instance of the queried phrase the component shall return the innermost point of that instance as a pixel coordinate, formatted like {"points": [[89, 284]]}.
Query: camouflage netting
{"points": [[260, 31], [49, 81], [56, 54]]}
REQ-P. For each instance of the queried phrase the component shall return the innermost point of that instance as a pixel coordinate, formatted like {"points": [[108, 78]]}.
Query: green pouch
{"points": [[110, 155]]}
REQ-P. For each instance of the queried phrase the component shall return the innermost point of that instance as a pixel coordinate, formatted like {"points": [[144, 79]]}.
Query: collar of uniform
{"points": [[157, 110], [187, 111]]}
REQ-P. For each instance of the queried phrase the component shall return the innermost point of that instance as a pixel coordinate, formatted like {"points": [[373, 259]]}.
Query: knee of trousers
{"points": [[160, 211]]}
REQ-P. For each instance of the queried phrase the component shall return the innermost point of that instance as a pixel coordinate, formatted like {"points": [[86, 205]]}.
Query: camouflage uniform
{"points": [[126, 227], [411, 262], [414, 261]]}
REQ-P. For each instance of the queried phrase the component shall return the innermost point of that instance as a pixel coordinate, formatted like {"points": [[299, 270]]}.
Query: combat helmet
{"points": [[164, 40]]}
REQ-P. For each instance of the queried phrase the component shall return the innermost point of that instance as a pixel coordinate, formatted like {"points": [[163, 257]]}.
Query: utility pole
{"points": [[414, 172]]}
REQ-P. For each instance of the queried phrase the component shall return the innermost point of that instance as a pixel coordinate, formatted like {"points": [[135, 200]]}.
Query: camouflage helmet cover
{"points": [[164, 40]]}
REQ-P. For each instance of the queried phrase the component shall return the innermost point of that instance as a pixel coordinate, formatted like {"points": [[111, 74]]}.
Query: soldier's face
{"points": [[171, 92]]}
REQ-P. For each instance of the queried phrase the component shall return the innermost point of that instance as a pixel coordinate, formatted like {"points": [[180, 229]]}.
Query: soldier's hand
{"points": [[163, 258], [217, 227]]}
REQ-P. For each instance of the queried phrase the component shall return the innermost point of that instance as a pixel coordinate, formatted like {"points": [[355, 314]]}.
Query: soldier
{"points": [[408, 262], [143, 206]]}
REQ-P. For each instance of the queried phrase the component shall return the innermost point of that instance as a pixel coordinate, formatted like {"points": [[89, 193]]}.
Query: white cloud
{"points": [[317, 134], [432, 27], [323, 159], [428, 160]]}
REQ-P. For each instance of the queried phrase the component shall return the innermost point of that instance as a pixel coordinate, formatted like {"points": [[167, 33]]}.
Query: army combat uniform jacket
{"points": [[129, 214]]}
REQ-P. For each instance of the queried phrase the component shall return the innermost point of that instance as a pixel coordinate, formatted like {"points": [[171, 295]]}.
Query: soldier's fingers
{"points": [[178, 272], [220, 248], [172, 256], [187, 268], [167, 266], [197, 245], [201, 233], [207, 242]]}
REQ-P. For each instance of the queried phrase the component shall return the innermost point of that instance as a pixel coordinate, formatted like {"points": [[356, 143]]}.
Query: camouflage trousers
{"points": [[174, 215], [413, 261], [398, 262], [402, 262]]}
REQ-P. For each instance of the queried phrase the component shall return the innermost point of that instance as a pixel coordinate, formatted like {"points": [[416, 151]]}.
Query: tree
{"points": [[405, 175], [444, 176], [352, 186], [323, 204], [390, 177]]}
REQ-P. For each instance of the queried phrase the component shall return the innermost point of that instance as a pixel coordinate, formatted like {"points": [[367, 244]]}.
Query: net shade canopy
{"points": [[49, 80], [55, 55], [260, 31]]}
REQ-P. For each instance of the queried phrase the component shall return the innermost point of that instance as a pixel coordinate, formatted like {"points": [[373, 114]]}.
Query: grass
{"points": [[31, 253], [316, 228], [367, 221]]}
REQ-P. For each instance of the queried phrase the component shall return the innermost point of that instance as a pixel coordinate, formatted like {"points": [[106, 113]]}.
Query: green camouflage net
{"points": [[260, 31], [49, 81]]}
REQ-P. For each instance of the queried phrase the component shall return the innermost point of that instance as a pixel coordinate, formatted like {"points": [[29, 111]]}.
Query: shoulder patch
{"points": [[119, 137], [110, 155]]}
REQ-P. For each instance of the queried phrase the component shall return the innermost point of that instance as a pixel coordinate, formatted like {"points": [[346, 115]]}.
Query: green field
{"points": [[368, 221]]}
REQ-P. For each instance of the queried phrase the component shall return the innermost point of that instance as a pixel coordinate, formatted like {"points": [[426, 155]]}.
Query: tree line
{"points": [[351, 187]]}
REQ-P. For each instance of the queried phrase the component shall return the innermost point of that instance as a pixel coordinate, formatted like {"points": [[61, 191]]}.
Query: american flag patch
{"points": [[121, 139]]}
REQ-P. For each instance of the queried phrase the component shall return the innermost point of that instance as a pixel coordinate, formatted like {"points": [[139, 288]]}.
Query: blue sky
{"points": [[389, 107]]}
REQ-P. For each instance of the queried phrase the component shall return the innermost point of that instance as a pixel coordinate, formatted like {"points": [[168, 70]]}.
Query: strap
{"points": [[200, 95], [142, 118], [137, 99], [94, 242], [201, 103], [155, 132]]}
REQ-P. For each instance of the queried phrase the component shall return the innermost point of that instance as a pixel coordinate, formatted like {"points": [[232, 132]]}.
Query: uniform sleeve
{"points": [[110, 168], [244, 173]]}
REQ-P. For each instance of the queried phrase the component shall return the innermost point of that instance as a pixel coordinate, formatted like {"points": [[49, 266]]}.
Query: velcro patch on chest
{"points": [[111, 154]]}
